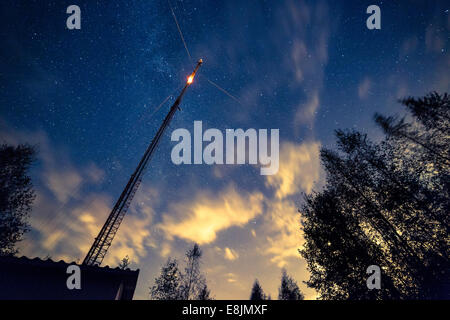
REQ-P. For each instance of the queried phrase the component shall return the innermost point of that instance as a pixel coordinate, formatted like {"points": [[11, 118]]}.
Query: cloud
{"points": [[94, 173], [299, 54], [299, 169], [231, 277], [309, 52], [166, 249], [278, 235], [201, 218], [65, 184], [67, 233], [66, 230], [134, 236], [282, 230], [306, 112], [364, 88], [309, 30], [58, 174], [230, 254]]}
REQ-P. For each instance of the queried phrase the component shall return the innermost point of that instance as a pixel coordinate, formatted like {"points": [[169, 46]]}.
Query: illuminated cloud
{"points": [[166, 249], [230, 254], [68, 233], [207, 214], [282, 232], [134, 236], [231, 277], [299, 169], [299, 172], [66, 230]]}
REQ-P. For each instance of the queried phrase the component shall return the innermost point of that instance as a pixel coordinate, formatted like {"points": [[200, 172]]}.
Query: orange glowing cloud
{"points": [[202, 218]]}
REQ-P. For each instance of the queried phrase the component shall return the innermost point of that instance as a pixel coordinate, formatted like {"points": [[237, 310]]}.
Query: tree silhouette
{"points": [[386, 204], [289, 289], [167, 284], [16, 195], [204, 293], [172, 284], [124, 263], [257, 292], [193, 282]]}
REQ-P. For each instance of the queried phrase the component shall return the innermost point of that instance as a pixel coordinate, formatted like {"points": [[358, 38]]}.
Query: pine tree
{"points": [[167, 285], [193, 281], [16, 195], [257, 292], [289, 289]]}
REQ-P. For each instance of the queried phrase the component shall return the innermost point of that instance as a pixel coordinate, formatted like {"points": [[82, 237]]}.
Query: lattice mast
{"points": [[106, 235]]}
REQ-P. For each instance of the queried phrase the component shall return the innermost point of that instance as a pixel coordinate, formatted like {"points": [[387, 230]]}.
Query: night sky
{"points": [[87, 99]]}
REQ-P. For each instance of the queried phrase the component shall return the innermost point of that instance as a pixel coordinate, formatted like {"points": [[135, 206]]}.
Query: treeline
{"points": [[288, 290], [384, 203], [174, 284]]}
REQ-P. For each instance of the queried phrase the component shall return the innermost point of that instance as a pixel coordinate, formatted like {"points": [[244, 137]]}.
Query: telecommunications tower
{"points": [[106, 235]]}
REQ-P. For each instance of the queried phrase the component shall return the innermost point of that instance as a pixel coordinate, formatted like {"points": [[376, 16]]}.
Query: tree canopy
{"points": [[16, 195], [384, 203], [289, 289], [257, 292], [167, 284]]}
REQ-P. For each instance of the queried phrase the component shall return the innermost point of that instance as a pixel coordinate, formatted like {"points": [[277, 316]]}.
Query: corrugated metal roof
{"points": [[49, 261]]}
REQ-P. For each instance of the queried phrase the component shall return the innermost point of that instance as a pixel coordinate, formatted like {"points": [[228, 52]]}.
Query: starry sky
{"points": [[88, 99]]}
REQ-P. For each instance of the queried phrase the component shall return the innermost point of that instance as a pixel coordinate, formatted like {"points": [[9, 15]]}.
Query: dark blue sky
{"points": [[305, 67]]}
